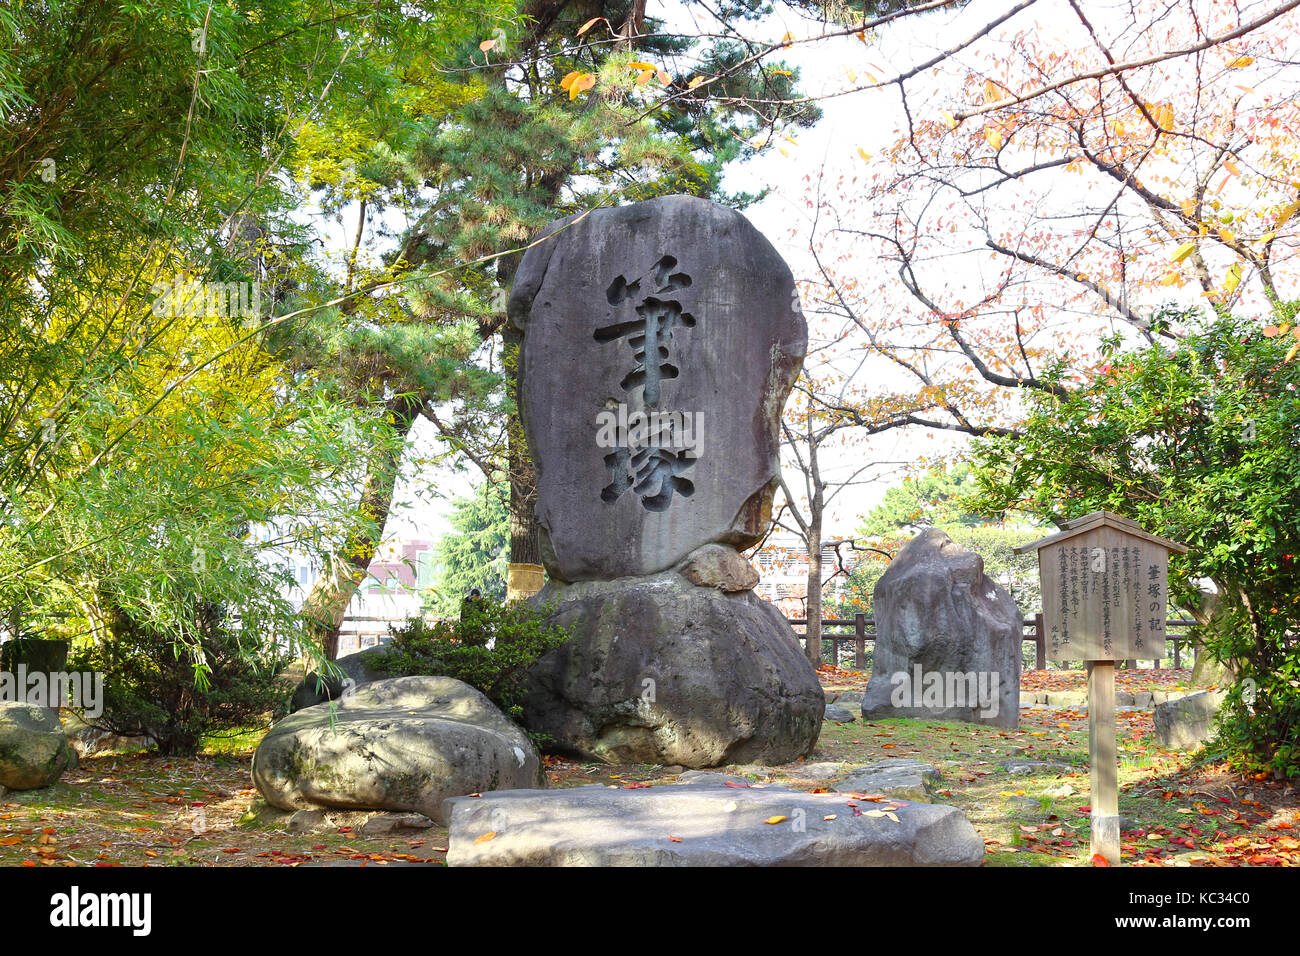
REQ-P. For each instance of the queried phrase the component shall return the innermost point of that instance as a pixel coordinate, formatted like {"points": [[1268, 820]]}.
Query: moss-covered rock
{"points": [[406, 743], [34, 750]]}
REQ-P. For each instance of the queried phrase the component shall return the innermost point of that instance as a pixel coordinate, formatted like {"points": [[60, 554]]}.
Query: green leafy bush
{"points": [[178, 692], [490, 648]]}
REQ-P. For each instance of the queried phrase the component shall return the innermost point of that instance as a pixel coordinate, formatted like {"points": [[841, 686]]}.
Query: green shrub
{"points": [[153, 687], [490, 648]]}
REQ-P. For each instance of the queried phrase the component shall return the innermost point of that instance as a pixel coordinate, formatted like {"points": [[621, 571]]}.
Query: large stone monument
{"points": [[660, 341]]}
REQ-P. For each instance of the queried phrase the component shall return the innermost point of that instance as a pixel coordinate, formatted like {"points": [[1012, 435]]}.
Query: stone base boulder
{"points": [[948, 639], [662, 671], [34, 750], [1186, 723], [404, 744], [706, 820]]}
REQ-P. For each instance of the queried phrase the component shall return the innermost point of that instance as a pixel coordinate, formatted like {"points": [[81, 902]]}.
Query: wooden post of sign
{"points": [[1105, 594], [1103, 761]]}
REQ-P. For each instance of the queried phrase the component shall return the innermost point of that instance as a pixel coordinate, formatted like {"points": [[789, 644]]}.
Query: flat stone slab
{"points": [[708, 820], [824, 770], [896, 777]]}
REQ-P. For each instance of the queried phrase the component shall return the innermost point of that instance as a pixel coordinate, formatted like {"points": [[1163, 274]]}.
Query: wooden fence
{"points": [[859, 629]]}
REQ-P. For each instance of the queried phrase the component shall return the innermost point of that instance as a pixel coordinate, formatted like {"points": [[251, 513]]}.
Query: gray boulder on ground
{"points": [[402, 744], [87, 740], [1185, 723], [34, 751], [661, 671], [708, 820], [897, 777], [358, 669], [838, 714], [673, 306], [948, 639]]}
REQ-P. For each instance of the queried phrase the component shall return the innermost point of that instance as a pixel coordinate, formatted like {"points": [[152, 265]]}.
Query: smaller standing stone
{"points": [[948, 638]]}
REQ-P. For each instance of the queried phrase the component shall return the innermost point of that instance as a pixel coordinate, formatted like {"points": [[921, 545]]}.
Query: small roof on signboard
{"points": [[1099, 519]]}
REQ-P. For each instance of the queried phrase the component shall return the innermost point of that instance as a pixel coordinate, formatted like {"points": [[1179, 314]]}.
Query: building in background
{"points": [[782, 564], [394, 591]]}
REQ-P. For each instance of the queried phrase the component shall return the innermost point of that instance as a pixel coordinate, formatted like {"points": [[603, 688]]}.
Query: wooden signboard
{"points": [[1105, 586], [1105, 589]]}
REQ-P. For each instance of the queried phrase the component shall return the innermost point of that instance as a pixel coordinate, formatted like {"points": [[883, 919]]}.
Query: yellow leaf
{"points": [[853, 77], [486, 836], [588, 25], [1241, 61], [864, 154], [695, 81], [949, 119], [1183, 251], [1232, 167], [992, 92], [994, 136], [774, 819], [568, 80], [487, 45], [581, 83], [644, 77], [829, 816], [1233, 278], [641, 66], [787, 39], [1288, 212], [1189, 208], [1291, 354]]}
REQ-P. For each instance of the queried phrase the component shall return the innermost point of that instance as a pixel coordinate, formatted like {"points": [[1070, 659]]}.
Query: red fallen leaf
{"points": [[674, 839], [1099, 860], [1066, 843], [233, 849], [736, 786], [320, 847], [635, 786], [1272, 826], [1225, 800]]}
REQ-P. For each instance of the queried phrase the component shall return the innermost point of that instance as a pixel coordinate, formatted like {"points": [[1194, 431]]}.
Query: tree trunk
{"points": [[814, 614], [327, 604], [524, 577]]}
